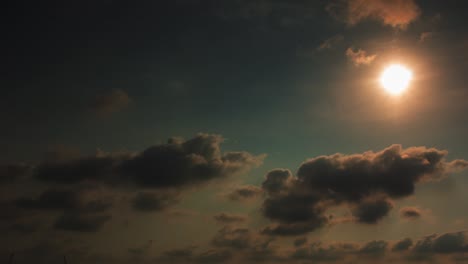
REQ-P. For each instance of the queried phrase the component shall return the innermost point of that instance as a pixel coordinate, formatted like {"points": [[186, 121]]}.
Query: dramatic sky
{"points": [[237, 131]]}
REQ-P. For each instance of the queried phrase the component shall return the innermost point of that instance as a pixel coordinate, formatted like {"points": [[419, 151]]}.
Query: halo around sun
{"points": [[396, 78]]}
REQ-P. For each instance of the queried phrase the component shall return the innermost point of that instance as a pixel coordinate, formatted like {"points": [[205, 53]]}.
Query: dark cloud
{"points": [[372, 209], [298, 242], [12, 172], [238, 238], [277, 180], [177, 163], [410, 212], [377, 247], [444, 244], [93, 168], [360, 57], [246, 192], [318, 252], [111, 102], [397, 13], [52, 200], [67, 199], [81, 222], [365, 183], [224, 218], [403, 245], [214, 256], [153, 201], [393, 171], [160, 174]]}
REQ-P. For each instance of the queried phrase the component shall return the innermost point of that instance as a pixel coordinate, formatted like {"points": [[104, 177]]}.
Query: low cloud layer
{"points": [[85, 188]]}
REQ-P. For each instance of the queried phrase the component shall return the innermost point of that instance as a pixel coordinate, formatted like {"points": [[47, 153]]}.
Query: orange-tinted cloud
{"points": [[395, 13], [360, 57]]}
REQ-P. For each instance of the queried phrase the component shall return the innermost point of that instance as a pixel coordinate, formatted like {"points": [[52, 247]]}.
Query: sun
{"points": [[396, 78]]}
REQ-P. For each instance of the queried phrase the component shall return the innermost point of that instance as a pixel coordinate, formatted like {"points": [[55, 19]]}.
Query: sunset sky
{"points": [[237, 131]]}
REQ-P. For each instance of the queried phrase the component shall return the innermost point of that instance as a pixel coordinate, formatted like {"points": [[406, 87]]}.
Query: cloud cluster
{"points": [[85, 187], [395, 13], [366, 183]]}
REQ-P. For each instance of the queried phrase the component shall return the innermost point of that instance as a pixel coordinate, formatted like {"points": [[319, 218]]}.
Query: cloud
{"points": [[366, 183], [425, 36], [359, 57], [330, 42], [81, 222], [298, 242], [176, 164], [153, 201], [395, 13], [10, 173], [372, 209], [403, 245], [246, 192], [444, 244], [112, 102], [411, 213], [224, 218], [376, 247], [85, 186], [238, 238]]}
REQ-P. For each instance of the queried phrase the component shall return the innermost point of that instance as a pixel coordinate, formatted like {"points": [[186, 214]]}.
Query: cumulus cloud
{"points": [[224, 218], [359, 57], [246, 192], [395, 13], [109, 103], [372, 209], [176, 164], [366, 183]]}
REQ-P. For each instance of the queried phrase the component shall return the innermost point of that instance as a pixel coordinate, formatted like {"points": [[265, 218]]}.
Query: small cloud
{"points": [[425, 36], [360, 57], [330, 42], [246, 192], [224, 218], [112, 102], [411, 213]]}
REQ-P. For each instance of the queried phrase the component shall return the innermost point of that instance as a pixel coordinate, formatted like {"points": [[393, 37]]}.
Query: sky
{"points": [[237, 131]]}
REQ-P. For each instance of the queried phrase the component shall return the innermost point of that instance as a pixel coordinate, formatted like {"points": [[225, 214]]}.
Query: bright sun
{"points": [[396, 78]]}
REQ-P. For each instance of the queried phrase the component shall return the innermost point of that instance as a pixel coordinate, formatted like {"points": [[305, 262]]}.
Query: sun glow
{"points": [[396, 78]]}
